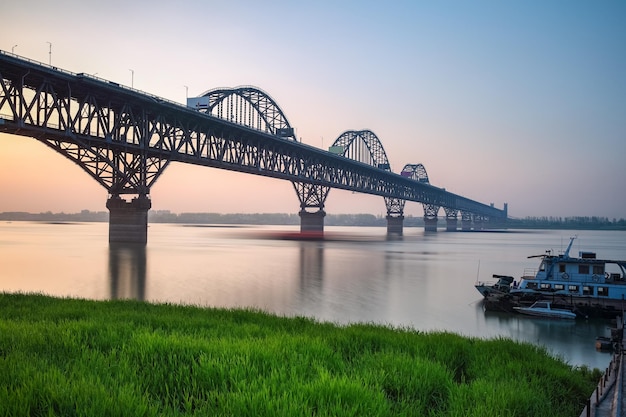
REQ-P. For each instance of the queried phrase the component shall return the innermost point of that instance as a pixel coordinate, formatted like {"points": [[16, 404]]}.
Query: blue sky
{"points": [[518, 102]]}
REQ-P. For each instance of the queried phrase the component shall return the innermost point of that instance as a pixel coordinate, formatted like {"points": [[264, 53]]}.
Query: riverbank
{"points": [[79, 357]]}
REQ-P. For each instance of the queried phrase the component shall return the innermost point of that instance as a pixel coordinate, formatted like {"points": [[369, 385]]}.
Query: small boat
{"points": [[604, 343], [544, 309]]}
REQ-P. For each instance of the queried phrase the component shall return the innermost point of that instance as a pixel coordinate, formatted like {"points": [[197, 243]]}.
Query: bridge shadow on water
{"points": [[127, 271]]}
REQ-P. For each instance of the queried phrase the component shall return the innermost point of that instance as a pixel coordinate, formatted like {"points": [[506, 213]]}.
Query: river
{"points": [[422, 280]]}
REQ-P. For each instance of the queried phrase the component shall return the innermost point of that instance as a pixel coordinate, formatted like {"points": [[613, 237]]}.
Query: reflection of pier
{"points": [[311, 266], [127, 270]]}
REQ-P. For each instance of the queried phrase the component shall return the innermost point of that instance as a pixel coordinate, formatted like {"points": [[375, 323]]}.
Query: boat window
{"points": [[542, 267], [531, 285], [615, 271], [561, 268], [559, 287], [587, 290], [573, 288], [603, 291], [583, 269], [598, 269], [541, 305], [545, 286]]}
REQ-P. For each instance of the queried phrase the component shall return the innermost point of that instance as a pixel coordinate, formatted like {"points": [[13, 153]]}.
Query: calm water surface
{"points": [[424, 280]]}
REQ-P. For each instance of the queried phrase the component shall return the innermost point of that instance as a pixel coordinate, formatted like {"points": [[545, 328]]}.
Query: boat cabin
{"points": [[586, 268], [584, 276]]}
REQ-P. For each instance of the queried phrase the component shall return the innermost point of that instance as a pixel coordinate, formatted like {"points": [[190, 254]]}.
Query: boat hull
{"points": [[487, 290], [550, 314]]}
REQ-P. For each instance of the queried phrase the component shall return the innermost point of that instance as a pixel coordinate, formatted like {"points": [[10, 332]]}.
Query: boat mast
{"points": [[566, 254]]}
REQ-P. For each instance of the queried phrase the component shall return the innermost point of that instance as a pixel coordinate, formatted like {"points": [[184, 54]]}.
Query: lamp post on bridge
{"points": [[49, 53], [13, 48], [132, 78]]}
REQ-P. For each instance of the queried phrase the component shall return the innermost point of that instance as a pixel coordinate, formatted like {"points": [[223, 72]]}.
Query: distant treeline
{"points": [[165, 216], [578, 223], [83, 216]]}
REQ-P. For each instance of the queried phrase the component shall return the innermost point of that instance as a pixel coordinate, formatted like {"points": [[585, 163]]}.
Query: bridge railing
{"points": [[92, 77]]}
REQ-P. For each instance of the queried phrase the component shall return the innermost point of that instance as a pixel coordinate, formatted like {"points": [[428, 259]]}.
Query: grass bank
{"points": [[126, 358]]}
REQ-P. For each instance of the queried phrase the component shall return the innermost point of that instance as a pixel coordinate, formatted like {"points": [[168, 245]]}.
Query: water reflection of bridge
{"points": [[125, 139]]}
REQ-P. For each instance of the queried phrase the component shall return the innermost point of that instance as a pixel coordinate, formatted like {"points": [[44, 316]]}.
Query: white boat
{"points": [[544, 309], [581, 282]]}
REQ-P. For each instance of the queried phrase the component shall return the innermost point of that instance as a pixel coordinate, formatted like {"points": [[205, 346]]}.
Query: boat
{"points": [[544, 309], [585, 283], [500, 287]]}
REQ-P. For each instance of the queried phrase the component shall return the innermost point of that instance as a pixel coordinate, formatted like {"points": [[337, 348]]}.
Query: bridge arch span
{"points": [[248, 106], [416, 172], [363, 146]]}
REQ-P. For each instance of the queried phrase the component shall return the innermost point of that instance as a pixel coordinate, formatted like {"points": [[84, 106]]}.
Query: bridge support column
{"points": [[430, 224], [497, 223], [395, 225], [128, 220], [312, 222], [466, 221], [451, 224]]}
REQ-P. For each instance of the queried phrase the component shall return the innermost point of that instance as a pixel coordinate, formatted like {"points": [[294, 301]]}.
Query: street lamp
{"points": [[49, 53], [186, 92], [132, 78], [13, 48]]}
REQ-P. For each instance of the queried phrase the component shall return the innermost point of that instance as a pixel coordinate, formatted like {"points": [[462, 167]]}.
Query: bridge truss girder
{"points": [[395, 206], [451, 214], [125, 139], [71, 128], [311, 196]]}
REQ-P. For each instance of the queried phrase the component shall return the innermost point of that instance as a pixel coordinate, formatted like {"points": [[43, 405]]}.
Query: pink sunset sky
{"points": [[503, 102]]}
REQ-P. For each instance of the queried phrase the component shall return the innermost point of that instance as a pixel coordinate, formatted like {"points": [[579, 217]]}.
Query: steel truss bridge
{"points": [[125, 139]]}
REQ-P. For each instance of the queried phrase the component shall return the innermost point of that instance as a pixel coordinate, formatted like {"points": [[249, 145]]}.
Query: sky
{"points": [[503, 102]]}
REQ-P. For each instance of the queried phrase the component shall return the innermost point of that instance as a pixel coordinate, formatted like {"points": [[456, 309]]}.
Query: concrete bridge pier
{"points": [[128, 220], [430, 224], [466, 224], [466, 221], [451, 224], [312, 222], [395, 225]]}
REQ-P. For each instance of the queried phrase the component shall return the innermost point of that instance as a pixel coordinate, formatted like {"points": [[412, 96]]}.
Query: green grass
{"points": [[71, 357]]}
